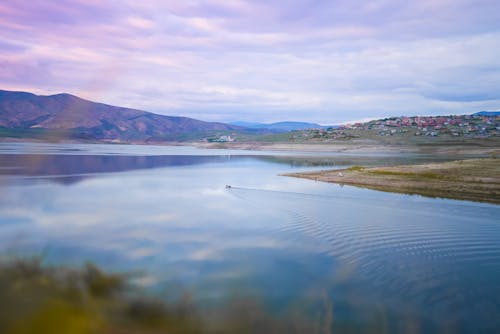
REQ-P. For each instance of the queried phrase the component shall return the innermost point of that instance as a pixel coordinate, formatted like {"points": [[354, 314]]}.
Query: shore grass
{"points": [[472, 179]]}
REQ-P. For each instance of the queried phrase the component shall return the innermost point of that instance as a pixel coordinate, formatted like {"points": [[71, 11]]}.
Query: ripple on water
{"points": [[442, 256]]}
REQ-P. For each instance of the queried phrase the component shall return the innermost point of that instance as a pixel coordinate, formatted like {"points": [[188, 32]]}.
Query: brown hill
{"points": [[90, 120]]}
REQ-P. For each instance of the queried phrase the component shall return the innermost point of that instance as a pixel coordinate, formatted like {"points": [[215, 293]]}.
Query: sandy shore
{"points": [[473, 179], [347, 148], [356, 147]]}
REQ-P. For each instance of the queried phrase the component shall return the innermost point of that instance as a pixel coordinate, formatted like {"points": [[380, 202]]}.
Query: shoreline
{"points": [[473, 179], [357, 147], [352, 147]]}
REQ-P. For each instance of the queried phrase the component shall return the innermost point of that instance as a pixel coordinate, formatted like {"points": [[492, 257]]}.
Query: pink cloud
{"points": [[326, 51]]}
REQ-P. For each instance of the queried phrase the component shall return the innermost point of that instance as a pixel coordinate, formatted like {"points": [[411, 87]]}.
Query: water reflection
{"points": [[342, 160], [68, 169], [402, 263]]}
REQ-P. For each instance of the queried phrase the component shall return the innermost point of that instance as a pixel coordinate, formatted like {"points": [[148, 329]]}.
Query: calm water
{"points": [[385, 262]]}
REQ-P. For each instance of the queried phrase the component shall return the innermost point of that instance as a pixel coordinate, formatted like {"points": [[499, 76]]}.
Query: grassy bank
{"points": [[474, 179]]}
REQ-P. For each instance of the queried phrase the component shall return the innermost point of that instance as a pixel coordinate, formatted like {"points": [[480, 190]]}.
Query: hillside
{"points": [[29, 114], [412, 129], [488, 113]]}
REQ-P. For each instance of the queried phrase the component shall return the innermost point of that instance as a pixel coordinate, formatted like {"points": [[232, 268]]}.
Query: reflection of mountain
{"points": [[69, 169], [73, 168], [280, 126]]}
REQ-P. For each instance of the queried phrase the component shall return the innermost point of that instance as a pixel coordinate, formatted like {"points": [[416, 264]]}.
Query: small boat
{"points": [[228, 186]]}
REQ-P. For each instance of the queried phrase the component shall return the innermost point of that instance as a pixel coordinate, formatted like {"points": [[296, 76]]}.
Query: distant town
{"points": [[476, 126]]}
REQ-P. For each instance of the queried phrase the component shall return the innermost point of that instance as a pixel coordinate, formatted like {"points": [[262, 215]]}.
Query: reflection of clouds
{"points": [[175, 213], [172, 215], [141, 252], [144, 280], [224, 275], [203, 254], [181, 225], [219, 191], [222, 245], [184, 213]]}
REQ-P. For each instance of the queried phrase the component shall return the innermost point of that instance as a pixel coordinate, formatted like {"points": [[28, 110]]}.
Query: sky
{"points": [[325, 61]]}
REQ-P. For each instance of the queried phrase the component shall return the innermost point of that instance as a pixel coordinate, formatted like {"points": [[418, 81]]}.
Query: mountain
{"points": [[279, 126], [487, 113], [82, 119]]}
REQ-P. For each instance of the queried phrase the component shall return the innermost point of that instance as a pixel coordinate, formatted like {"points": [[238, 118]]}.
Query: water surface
{"points": [[388, 262]]}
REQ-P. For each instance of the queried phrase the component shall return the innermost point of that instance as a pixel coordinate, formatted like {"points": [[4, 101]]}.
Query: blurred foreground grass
{"points": [[39, 299], [53, 299]]}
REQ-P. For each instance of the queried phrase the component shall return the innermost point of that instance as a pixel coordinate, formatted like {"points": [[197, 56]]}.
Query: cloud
{"points": [[322, 61]]}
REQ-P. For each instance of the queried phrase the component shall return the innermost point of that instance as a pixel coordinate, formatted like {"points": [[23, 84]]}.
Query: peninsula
{"points": [[472, 179]]}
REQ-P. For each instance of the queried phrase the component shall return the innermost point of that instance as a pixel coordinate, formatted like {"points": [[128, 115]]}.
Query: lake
{"points": [[379, 261]]}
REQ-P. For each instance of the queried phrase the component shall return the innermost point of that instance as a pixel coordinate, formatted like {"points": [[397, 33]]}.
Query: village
{"points": [[476, 126]]}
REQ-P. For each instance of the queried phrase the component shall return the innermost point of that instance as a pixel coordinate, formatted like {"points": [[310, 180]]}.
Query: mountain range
{"points": [[279, 126], [65, 116], [488, 113], [78, 118]]}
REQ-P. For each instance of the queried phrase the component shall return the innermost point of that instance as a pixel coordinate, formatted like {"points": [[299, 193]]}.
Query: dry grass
{"points": [[473, 179]]}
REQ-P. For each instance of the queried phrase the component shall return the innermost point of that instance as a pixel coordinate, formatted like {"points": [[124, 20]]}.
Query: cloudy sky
{"points": [[224, 60]]}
